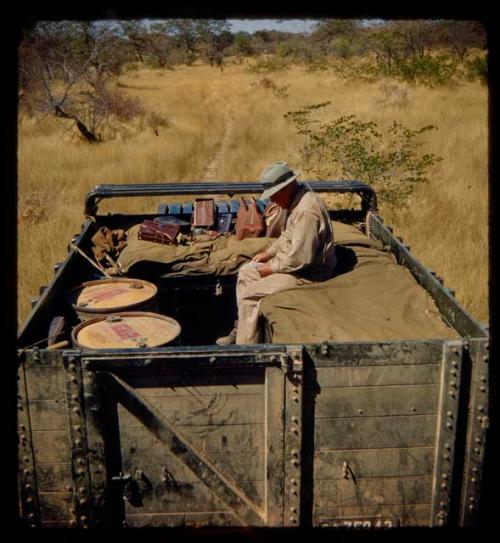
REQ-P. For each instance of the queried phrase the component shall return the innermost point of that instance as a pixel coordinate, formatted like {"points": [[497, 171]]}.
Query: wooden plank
{"points": [[151, 452], [48, 414], [217, 410], [379, 516], [403, 374], [240, 438], [177, 443], [44, 383], [378, 491], [374, 463], [185, 519], [163, 383], [274, 445], [55, 506], [54, 477], [201, 391], [185, 495], [376, 353], [375, 432], [51, 446], [377, 401]]}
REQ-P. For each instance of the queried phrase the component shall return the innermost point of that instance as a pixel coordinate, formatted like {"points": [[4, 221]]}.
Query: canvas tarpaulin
{"points": [[371, 297], [205, 256]]}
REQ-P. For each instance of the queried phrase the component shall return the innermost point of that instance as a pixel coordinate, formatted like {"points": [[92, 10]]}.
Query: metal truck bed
{"points": [[367, 433]]}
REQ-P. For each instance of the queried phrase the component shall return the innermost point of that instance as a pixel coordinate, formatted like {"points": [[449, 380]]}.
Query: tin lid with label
{"points": [[125, 331], [115, 294]]}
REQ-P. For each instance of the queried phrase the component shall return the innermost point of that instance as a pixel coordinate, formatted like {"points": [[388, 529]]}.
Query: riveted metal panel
{"points": [[292, 514], [478, 422], [446, 431], [28, 494], [82, 497]]}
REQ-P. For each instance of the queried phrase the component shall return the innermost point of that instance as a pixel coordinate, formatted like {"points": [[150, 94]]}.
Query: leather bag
{"points": [[275, 219], [249, 220]]}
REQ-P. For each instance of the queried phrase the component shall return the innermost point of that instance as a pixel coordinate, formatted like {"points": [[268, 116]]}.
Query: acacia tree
{"points": [[65, 69]]}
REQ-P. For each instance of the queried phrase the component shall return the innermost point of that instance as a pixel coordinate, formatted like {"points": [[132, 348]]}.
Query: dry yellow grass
{"points": [[225, 126]]}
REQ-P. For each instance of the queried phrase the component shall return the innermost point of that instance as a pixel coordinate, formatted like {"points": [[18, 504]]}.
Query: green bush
{"points": [[477, 68], [346, 147], [268, 65], [426, 70]]}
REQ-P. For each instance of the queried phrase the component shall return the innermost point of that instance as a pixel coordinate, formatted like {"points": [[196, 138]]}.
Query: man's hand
{"points": [[262, 257], [264, 270]]}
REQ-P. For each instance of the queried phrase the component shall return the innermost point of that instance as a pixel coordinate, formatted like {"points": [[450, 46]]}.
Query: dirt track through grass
{"points": [[210, 172]]}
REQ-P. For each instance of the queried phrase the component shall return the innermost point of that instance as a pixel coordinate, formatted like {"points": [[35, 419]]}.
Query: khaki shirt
{"points": [[306, 245]]}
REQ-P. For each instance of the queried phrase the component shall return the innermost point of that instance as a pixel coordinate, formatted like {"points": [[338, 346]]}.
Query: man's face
{"points": [[285, 196]]}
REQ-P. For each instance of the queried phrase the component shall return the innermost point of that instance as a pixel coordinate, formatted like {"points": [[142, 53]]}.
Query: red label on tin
{"points": [[105, 294], [124, 331]]}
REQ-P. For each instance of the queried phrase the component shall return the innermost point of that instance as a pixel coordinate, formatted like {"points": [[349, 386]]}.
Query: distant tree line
{"points": [[66, 67]]}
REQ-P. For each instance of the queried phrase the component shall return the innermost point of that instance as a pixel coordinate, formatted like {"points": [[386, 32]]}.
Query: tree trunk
{"points": [[84, 131]]}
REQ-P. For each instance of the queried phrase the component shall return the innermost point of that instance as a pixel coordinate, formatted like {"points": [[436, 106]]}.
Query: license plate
{"points": [[359, 522]]}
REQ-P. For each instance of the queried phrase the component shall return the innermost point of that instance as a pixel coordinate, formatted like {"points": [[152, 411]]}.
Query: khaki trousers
{"points": [[250, 289]]}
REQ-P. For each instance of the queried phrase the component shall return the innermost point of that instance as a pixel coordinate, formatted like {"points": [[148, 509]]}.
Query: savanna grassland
{"points": [[204, 124]]}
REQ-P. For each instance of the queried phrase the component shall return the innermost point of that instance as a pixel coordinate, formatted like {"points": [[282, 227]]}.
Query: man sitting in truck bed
{"points": [[304, 253]]}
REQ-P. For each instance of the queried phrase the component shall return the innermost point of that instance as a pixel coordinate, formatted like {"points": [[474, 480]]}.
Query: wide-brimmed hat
{"points": [[276, 177]]}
